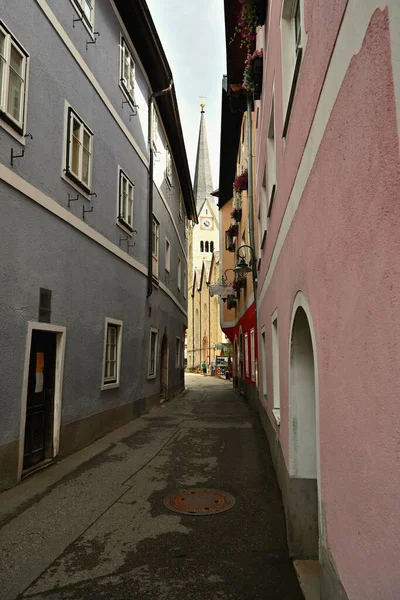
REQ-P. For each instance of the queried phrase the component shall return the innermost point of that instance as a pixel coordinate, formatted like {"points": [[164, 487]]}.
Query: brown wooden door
{"points": [[38, 443]]}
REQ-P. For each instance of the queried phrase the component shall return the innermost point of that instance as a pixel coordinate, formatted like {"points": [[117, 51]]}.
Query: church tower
{"points": [[204, 237], [204, 333]]}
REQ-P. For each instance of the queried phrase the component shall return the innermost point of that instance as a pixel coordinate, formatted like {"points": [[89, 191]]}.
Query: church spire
{"points": [[202, 179]]}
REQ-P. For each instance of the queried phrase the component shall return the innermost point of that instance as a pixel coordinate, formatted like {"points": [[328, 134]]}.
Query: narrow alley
{"points": [[95, 526]]}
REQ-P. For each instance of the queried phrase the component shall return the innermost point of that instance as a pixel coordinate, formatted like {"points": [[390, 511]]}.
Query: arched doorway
{"points": [[205, 344], [164, 369], [303, 437]]}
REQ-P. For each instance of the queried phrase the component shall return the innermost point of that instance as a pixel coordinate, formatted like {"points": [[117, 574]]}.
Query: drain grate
{"points": [[199, 501]]}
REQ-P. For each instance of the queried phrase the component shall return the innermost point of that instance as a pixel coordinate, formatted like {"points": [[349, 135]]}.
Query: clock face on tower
{"points": [[207, 223]]}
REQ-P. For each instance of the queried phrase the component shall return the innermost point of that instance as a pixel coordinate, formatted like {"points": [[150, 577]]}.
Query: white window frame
{"points": [[271, 156], [292, 55], [8, 121], [181, 211], [156, 135], [252, 354], [246, 354], [88, 23], [276, 395], [178, 353], [264, 362], [125, 54], [156, 249], [106, 383], [168, 166], [150, 374], [179, 280], [77, 177], [121, 221], [167, 255]]}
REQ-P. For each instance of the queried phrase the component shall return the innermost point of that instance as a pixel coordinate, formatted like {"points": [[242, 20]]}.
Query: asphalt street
{"points": [[95, 526]]}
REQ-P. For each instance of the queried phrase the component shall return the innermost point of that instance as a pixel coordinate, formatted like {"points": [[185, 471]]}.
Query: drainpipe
{"points": [[193, 334], [250, 196], [201, 341], [209, 328], [151, 172]]}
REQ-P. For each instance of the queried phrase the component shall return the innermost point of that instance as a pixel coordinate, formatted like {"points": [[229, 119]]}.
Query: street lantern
{"points": [[243, 268]]}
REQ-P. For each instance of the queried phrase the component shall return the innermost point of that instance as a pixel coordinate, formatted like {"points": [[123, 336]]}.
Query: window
{"points": [[206, 246], [201, 246], [125, 201], [271, 158], [45, 306], [184, 284], [246, 353], [112, 353], [127, 71], [152, 364], [86, 10], [211, 246], [178, 353], [79, 151], [264, 363], [155, 245], [181, 210], [292, 51], [263, 209], [186, 227], [155, 130], [168, 167], [275, 369], [252, 355], [167, 256], [179, 272], [13, 73]]}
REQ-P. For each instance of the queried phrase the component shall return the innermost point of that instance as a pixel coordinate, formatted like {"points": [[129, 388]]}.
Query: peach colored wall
{"points": [[342, 251]]}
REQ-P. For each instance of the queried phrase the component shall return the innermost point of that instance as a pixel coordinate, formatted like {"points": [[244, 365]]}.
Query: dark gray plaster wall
{"points": [[37, 249]]}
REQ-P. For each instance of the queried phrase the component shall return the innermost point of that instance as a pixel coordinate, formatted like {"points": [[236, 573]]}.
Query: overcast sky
{"points": [[192, 34]]}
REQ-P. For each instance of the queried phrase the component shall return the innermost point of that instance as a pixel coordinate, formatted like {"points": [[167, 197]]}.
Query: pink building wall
{"points": [[342, 250]]}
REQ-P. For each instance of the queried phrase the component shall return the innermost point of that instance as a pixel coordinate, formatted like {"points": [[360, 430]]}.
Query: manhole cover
{"points": [[199, 501]]}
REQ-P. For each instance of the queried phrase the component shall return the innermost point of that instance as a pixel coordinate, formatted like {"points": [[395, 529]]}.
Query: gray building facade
{"points": [[95, 196]]}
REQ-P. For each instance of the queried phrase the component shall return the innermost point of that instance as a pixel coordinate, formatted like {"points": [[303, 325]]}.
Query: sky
{"points": [[192, 34]]}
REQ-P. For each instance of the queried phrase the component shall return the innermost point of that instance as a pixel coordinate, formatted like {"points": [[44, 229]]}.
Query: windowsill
{"points": [[13, 132], [109, 386], [76, 187], [151, 376], [126, 228], [277, 415]]}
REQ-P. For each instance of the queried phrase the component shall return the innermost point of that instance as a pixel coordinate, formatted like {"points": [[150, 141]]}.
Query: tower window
{"points": [[211, 246], [201, 246], [206, 246]]}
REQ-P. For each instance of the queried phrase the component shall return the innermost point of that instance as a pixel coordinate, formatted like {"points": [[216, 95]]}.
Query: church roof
{"points": [[203, 186]]}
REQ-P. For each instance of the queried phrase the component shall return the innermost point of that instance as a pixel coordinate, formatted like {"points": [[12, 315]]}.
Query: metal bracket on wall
{"points": [[135, 111], [14, 156], [96, 33], [123, 239], [134, 243], [93, 194], [76, 20], [87, 210], [72, 199]]}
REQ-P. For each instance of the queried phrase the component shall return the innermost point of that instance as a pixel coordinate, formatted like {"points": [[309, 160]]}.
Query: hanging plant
{"points": [[241, 182], [250, 72], [236, 214], [232, 230], [246, 23]]}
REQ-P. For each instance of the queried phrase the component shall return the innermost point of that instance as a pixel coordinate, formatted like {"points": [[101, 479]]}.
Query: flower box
{"points": [[241, 182]]}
